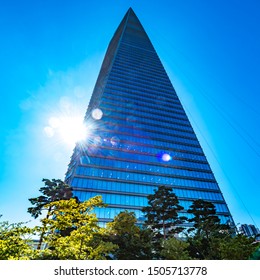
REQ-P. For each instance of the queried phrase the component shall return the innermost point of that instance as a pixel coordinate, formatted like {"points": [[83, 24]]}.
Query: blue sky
{"points": [[51, 53]]}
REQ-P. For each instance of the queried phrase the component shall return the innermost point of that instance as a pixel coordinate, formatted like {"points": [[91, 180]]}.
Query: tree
{"points": [[238, 247], [256, 254], [207, 231], [15, 241], [54, 190], [205, 220], [174, 249], [162, 213], [209, 239], [134, 243], [84, 240]]}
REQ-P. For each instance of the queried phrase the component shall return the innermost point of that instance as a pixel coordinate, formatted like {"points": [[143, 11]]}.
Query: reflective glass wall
{"points": [[139, 136]]}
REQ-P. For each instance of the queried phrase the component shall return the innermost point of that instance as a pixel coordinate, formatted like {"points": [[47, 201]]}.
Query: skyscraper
{"points": [[139, 136], [249, 230]]}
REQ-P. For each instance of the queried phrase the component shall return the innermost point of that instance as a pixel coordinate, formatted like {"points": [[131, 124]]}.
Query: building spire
{"points": [[131, 11]]}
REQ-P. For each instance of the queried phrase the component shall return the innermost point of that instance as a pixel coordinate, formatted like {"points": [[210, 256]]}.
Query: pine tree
{"points": [[54, 190], [207, 231], [162, 213]]}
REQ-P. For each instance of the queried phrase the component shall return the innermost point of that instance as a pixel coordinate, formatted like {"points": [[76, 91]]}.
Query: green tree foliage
{"points": [[174, 249], [205, 220], [238, 247], [54, 190], [134, 243], [256, 254], [162, 213], [73, 231], [207, 231], [15, 241]]}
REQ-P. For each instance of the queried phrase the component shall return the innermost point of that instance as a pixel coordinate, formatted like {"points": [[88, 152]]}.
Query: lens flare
{"points": [[164, 157], [97, 114]]}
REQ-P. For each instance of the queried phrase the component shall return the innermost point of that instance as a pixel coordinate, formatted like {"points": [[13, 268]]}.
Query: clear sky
{"points": [[50, 55]]}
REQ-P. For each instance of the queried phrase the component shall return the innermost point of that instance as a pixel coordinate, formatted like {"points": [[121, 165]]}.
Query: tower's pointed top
{"points": [[130, 10]]}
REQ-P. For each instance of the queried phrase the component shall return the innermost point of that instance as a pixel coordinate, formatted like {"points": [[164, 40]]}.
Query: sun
{"points": [[72, 130], [67, 129]]}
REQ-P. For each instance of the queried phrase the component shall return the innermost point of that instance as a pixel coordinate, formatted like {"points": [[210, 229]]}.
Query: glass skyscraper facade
{"points": [[139, 136]]}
